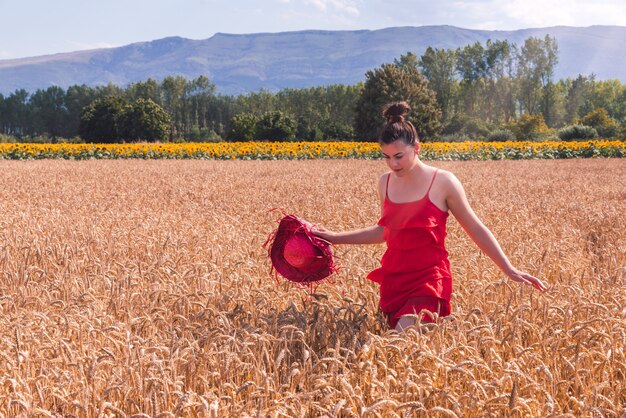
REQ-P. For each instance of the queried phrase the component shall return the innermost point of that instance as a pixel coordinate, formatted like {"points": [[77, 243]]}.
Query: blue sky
{"points": [[38, 27]]}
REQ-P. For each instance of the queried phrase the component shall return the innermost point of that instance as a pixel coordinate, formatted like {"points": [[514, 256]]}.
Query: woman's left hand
{"points": [[525, 278]]}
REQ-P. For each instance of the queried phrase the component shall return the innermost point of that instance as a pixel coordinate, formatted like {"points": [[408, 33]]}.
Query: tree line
{"points": [[497, 91], [499, 86]]}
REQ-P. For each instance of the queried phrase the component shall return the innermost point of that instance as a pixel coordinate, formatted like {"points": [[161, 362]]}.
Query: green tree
{"points": [[621, 132], [498, 103], [276, 126], [333, 131], [464, 125], [77, 98], [17, 114], [472, 68], [554, 108], [49, 111], [200, 94], [257, 103], [144, 120], [100, 121], [407, 62], [3, 114], [109, 89], [393, 82], [175, 103], [149, 89], [221, 111], [309, 106], [242, 127], [439, 68], [549, 104], [537, 60], [339, 101], [315, 107], [577, 92], [607, 94]]}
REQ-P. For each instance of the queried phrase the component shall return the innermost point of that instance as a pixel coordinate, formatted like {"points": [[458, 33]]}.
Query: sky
{"points": [[39, 27]]}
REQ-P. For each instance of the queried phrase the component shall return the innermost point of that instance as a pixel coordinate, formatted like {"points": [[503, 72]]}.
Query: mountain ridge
{"points": [[241, 63]]}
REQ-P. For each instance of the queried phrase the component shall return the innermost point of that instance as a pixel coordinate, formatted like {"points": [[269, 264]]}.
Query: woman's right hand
{"points": [[320, 231]]}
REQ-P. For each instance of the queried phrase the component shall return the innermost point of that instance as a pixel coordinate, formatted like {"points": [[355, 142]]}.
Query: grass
{"points": [[141, 288]]}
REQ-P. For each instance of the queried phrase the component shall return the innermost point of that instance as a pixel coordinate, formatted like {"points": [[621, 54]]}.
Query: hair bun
{"points": [[395, 111]]}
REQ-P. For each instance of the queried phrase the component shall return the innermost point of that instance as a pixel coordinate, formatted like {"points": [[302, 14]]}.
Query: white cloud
{"points": [[80, 46], [535, 13], [320, 14], [515, 14], [346, 7]]}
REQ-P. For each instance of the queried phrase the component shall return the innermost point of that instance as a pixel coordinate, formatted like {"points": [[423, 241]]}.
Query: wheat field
{"points": [[142, 289]]}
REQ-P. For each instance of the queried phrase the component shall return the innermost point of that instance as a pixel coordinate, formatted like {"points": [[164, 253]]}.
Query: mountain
{"points": [[244, 63]]}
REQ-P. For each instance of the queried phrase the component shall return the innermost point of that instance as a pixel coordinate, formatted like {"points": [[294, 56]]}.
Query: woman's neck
{"points": [[416, 169]]}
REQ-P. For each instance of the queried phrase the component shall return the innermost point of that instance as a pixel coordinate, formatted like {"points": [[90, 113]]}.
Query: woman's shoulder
{"points": [[446, 179], [444, 174]]}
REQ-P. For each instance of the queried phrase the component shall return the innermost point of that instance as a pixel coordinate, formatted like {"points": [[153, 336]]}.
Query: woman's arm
{"points": [[481, 235], [370, 235]]}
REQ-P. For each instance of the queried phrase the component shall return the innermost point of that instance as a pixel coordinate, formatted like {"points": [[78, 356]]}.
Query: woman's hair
{"points": [[396, 127]]}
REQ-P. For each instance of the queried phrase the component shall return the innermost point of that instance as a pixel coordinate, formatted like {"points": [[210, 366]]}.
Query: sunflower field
{"points": [[509, 150]]}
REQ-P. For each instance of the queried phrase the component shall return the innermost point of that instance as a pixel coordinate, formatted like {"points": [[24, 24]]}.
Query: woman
{"points": [[416, 199]]}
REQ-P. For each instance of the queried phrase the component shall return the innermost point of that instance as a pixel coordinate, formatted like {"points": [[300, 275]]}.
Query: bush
{"points": [[333, 131], [576, 132], [530, 127], [276, 126], [112, 119], [8, 139], [36, 139], [72, 140], [197, 134], [500, 135], [143, 120], [452, 138], [213, 137], [600, 120], [466, 126], [621, 132], [39, 139], [242, 127], [475, 128], [99, 121]]}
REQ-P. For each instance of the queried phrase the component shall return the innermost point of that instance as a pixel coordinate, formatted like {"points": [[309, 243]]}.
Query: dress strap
{"points": [[387, 186], [431, 182]]}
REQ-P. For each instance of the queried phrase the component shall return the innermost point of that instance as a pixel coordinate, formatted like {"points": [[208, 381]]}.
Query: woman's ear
{"points": [[417, 148]]}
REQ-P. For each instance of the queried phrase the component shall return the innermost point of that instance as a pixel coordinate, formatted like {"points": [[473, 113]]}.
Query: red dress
{"points": [[415, 270]]}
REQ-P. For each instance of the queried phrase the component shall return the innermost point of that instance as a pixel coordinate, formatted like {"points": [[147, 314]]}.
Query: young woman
{"points": [[415, 200]]}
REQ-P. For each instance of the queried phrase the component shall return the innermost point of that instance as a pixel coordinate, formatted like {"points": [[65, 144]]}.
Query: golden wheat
{"points": [[141, 289]]}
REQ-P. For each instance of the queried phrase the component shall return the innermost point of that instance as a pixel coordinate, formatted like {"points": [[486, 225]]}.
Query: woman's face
{"points": [[399, 156]]}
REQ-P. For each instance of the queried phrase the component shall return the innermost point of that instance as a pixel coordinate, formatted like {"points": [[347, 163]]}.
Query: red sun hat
{"points": [[297, 254]]}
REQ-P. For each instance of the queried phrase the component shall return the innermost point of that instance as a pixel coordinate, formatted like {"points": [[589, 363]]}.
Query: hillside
{"points": [[243, 63]]}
